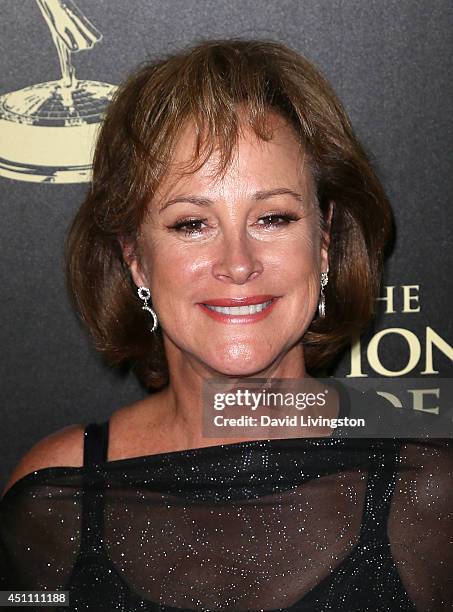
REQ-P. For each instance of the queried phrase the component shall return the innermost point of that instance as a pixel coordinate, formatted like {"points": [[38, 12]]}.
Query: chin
{"points": [[240, 361], [236, 371]]}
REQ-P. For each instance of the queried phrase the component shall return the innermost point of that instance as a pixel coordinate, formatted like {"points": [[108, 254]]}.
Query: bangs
{"points": [[221, 93]]}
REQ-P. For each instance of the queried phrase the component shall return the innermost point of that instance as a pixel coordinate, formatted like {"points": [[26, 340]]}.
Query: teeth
{"points": [[240, 310]]}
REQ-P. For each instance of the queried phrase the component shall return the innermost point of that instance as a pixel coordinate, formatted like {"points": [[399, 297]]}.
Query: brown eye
{"points": [[189, 226], [276, 220]]}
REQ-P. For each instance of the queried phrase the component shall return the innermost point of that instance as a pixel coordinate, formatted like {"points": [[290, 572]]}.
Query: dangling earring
{"points": [[144, 294], [322, 299]]}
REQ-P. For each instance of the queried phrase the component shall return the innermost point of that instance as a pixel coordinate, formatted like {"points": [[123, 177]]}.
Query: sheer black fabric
{"points": [[312, 524]]}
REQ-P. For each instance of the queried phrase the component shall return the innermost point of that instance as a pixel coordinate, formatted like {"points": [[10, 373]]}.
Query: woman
{"points": [[231, 196]]}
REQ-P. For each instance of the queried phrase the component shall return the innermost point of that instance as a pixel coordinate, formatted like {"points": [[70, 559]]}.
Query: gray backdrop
{"points": [[390, 62]]}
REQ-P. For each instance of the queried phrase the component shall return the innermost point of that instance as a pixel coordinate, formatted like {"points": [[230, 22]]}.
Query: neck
{"points": [[182, 400]]}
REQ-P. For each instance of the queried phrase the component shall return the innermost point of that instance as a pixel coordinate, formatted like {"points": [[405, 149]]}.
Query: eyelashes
{"points": [[285, 219], [192, 226], [188, 226]]}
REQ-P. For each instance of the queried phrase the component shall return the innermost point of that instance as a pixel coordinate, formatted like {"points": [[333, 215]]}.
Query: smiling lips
{"points": [[239, 310]]}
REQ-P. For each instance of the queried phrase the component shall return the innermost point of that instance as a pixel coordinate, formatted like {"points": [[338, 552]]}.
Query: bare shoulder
{"points": [[61, 448], [131, 429]]}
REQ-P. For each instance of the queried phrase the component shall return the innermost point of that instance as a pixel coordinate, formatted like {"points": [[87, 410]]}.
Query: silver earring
{"points": [[145, 294], [322, 299]]}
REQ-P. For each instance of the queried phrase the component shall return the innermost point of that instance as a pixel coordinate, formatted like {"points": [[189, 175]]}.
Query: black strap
{"points": [[94, 452], [381, 482], [96, 443]]}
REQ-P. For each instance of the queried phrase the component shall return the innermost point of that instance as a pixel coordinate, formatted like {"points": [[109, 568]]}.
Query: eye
{"points": [[277, 219], [189, 226]]}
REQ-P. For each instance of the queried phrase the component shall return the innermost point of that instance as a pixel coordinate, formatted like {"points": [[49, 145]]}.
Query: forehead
{"points": [[280, 161]]}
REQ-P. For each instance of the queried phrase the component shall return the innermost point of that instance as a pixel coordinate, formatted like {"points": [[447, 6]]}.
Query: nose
{"points": [[237, 261]]}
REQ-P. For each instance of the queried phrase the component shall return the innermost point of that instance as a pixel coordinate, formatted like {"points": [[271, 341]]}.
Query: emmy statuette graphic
{"points": [[47, 130]]}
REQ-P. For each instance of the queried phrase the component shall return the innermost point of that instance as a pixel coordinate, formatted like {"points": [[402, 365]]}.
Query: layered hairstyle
{"points": [[219, 84]]}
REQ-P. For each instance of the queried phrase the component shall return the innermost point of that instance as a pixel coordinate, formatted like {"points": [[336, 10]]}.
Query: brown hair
{"points": [[207, 83]]}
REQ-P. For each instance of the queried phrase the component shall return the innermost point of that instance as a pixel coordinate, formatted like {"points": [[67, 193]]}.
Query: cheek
{"points": [[297, 260], [302, 280], [176, 270]]}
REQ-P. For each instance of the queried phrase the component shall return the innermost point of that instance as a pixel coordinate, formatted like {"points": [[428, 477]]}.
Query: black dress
{"points": [[302, 524]]}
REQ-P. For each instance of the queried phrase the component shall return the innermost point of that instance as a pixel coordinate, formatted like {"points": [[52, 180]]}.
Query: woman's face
{"points": [[250, 239]]}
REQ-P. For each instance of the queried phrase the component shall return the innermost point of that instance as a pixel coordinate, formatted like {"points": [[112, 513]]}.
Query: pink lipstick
{"points": [[239, 310]]}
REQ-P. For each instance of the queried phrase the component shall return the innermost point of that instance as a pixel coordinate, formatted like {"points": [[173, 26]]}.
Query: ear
{"points": [[325, 238], [130, 256]]}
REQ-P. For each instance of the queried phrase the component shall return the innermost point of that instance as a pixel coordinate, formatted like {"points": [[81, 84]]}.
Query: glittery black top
{"points": [[306, 524]]}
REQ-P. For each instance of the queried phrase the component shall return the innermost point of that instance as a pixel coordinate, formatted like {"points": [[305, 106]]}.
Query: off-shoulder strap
{"points": [[382, 475], [94, 452], [96, 443]]}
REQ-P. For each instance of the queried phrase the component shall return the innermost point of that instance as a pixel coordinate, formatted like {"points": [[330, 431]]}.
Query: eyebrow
{"points": [[257, 196]]}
